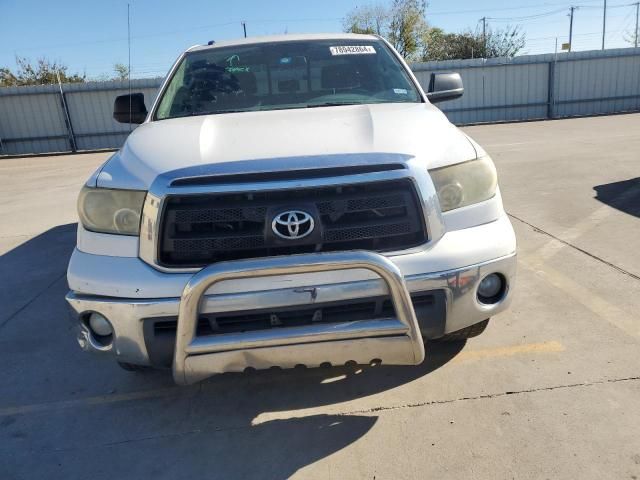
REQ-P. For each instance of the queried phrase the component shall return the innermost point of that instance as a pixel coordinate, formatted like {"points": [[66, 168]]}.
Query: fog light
{"points": [[100, 325], [491, 288]]}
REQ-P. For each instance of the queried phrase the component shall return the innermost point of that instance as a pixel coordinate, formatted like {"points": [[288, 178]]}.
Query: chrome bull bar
{"points": [[395, 341]]}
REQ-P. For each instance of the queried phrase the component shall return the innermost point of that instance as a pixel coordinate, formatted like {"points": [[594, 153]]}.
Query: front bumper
{"points": [[393, 340]]}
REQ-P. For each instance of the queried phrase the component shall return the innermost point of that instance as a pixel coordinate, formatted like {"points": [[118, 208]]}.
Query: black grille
{"points": [[202, 229]]}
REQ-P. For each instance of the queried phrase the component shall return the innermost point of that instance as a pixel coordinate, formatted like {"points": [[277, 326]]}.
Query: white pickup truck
{"points": [[289, 200]]}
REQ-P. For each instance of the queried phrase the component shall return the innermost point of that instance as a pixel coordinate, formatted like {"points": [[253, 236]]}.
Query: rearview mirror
{"points": [[444, 86], [130, 108]]}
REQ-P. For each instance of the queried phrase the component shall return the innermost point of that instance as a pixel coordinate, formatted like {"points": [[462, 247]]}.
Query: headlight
{"points": [[465, 183], [111, 211]]}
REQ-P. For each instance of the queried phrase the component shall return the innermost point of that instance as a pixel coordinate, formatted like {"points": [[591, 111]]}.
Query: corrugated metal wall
{"points": [[597, 84], [91, 111], [494, 90], [37, 119], [542, 86], [43, 119]]}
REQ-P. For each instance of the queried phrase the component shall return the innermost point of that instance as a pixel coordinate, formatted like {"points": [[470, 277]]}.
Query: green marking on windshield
{"points": [[232, 67]]}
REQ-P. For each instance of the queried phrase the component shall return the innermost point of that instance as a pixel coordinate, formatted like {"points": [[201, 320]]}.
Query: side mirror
{"points": [[133, 102], [444, 86]]}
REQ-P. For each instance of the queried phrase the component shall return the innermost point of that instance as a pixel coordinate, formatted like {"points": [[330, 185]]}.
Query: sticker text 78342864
{"points": [[353, 50]]}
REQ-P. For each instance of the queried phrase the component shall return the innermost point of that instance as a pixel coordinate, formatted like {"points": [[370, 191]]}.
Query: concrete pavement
{"points": [[550, 390]]}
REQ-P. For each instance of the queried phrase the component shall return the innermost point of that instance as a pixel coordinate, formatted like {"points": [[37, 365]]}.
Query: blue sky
{"points": [[90, 36]]}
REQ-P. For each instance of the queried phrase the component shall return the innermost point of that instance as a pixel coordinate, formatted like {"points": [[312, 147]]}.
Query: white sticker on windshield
{"points": [[400, 91], [353, 50]]}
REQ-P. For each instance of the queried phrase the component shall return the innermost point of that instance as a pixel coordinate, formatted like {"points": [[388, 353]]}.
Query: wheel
{"points": [[468, 332], [131, 367]]}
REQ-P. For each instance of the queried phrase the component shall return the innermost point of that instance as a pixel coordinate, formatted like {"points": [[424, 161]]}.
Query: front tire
{"points": [[466, 333]]}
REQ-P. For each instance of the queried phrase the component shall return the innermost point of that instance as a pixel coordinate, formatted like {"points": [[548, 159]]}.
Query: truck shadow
{"points": [[31, 267], [267, 424], [271, 424], [623, 195]]}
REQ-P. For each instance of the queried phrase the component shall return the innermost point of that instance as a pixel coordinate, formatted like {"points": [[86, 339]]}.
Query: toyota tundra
{"points": [[285, 201]]}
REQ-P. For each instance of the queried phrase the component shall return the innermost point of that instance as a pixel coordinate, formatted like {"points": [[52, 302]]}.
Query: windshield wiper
{"points": [[210, 112], [332, 104]]}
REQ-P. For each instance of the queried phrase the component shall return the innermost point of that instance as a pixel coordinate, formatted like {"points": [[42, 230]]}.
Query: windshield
{"points": [[271, 76]]}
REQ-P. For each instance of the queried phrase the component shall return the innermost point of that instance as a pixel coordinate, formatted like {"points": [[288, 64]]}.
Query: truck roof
{"points": [[284, 38]]}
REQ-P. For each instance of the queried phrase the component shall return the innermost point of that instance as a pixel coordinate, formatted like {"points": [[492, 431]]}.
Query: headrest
{"points": [[247, 82], [340, 76], [288, 86]]}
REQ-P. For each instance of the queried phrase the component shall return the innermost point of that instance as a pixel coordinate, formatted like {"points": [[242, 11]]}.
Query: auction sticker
{"points": [[353, 50]]}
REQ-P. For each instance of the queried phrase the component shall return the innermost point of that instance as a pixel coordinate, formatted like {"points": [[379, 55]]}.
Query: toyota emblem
{"points": [[292, 224]]}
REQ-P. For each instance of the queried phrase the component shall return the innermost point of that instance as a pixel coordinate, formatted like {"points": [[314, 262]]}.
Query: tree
{"points": [[122, 71], [43, 72], [370, 19], [439, 45], [402, 23], [505, 42], [631, 37], [407, 27], [7, 78]]}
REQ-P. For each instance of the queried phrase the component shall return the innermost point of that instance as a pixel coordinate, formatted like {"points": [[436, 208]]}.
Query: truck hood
{"points": [[279, 139]]}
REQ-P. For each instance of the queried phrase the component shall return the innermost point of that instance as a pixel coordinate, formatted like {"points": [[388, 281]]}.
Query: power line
{"points": [[604, 22], [587, 34], [129, 67], [572, 10], [302, 20], [484, 36], [503, 9], [609, 7], [637, 32], [515, 18], [294, 20], [552, 12], [527, 17]]}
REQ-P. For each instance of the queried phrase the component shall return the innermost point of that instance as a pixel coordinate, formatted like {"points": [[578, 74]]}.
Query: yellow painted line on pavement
{"points": [[544, 347], [470, 355], [569, 235], [538, 263], [583, 295], [88, 401]]}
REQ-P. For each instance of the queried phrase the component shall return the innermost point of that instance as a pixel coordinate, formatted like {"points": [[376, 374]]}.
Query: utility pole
{"points": [[244, 27], [635, 42], [484, 37], [572, 8], [129, 64], [604, 22]]}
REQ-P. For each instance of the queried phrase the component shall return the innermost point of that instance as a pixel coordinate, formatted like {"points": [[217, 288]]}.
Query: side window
{"points": [[164, 109]]}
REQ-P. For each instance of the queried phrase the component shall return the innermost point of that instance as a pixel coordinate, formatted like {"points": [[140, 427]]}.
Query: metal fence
{"points": [[542, 86], [78, 117]]}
